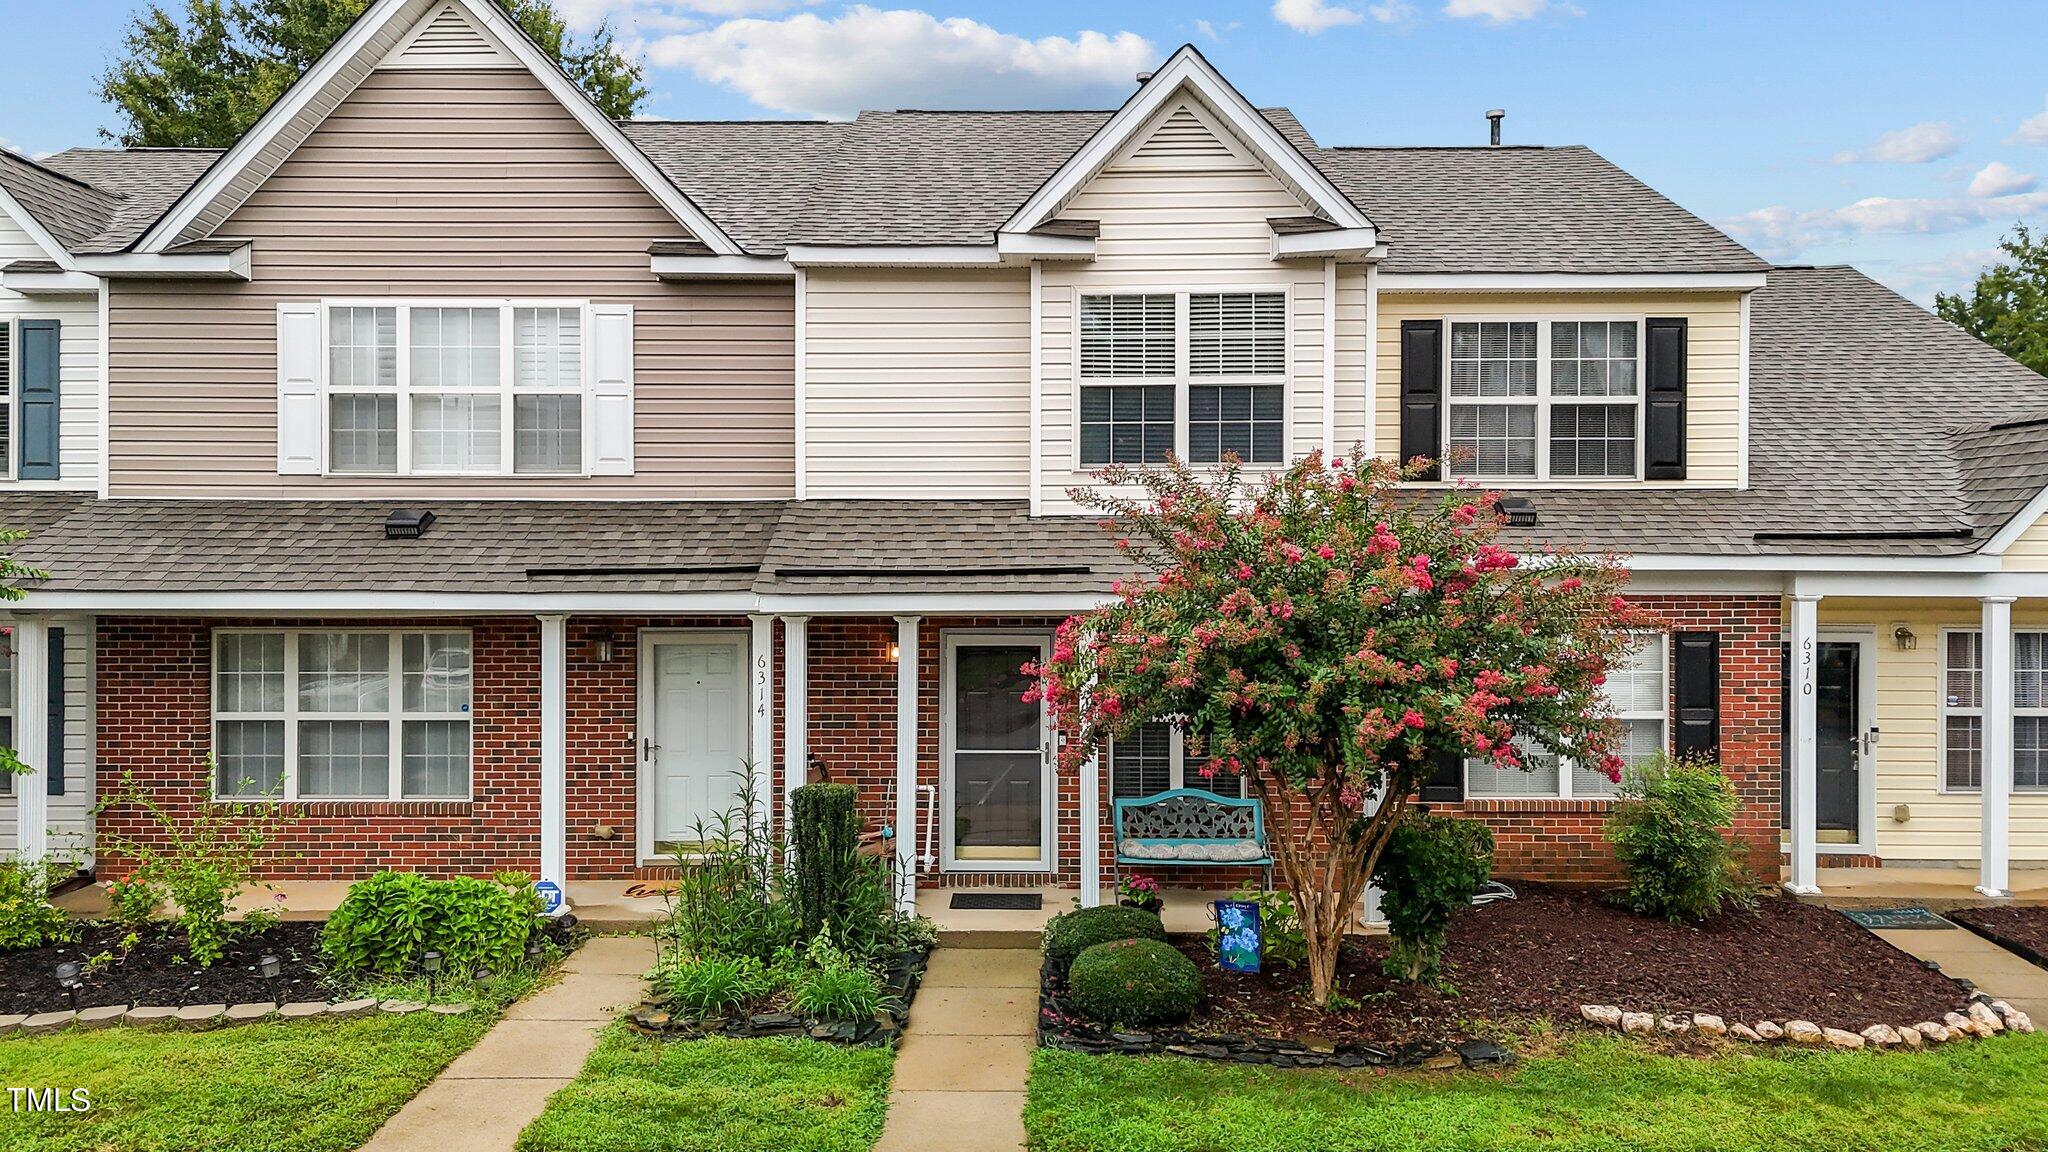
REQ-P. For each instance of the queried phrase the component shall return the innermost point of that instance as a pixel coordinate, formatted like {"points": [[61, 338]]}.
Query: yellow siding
{"points": [[2029, 553], [1943, 826], [1713, 363], [1177, 213], [917, 383]]}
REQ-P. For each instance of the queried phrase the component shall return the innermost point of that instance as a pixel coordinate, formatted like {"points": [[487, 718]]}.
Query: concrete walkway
{"points": [[482, 1100], [961, 1067], [1997, 973]]}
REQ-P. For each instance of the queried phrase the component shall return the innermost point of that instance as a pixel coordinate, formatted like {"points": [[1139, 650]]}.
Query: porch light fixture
{"points": [[601, 648], [1517, 511], [895, 652], [1903, 638], [407, 524], [67, 979]]}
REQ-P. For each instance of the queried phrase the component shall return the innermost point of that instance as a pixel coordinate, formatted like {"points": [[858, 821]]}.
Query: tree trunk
{"points": [[1324, 866]]}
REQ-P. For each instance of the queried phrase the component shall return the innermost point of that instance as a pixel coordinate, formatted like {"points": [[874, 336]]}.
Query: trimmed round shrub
{"points": [[1135, 982], [1069, 933]]}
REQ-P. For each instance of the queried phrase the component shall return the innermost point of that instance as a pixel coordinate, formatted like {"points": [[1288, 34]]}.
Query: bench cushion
{"points": [[1228, 851]]}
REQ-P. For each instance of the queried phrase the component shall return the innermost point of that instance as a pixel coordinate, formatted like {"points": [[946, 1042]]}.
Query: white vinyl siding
{"points": [[342, 714]]}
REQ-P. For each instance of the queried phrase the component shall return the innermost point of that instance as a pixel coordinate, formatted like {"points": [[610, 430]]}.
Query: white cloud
{"points": [[1313, 17], [868, 57], [2000, 179], [1391, 12], [1498, 11], [2033, 130], [1783, 233], [1919, 144], [1213, 32]]}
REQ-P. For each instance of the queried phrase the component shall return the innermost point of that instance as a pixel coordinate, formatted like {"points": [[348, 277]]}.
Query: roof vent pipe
{"points": [[1144, 76], [1493, 118]]}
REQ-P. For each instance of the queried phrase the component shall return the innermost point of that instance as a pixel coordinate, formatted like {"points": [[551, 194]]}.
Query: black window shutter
{"points": [[1664, 414], [1446, 783], [53, 771], [1696, 692], [39, 357], [1422, 391]]}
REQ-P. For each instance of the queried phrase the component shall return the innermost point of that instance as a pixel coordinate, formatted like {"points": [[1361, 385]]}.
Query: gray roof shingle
{"points": [[96, 200]]}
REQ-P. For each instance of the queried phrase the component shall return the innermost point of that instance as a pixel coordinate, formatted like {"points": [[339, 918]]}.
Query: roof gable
{"points": [[1188, 72], [445, 38], [386, 28]]}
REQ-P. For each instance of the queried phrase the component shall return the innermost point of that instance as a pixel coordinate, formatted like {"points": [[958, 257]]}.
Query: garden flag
{"points": [[1237, 935]]}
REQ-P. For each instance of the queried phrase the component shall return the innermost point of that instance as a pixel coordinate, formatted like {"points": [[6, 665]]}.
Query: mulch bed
{"points": [[156, 971], [1554, 949], [776, 1020], [2021, 928]]}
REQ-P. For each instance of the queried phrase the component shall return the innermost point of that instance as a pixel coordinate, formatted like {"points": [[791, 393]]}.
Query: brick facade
{"points": [[154, 704]]}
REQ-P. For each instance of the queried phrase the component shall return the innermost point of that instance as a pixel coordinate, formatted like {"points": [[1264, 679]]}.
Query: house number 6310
{"points": [[1806, 667]]}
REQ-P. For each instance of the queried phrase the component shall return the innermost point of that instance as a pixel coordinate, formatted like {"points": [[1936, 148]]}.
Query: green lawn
{"points": [[637, 1094], [300, 1086], [1596, 1094]]}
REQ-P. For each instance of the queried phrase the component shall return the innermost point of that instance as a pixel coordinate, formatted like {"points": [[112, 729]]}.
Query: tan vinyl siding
{"points": [[1943, 825], [917, 383], [2029, 553], [1177, 213], [452, 184], [1713, 409], [78, 408]]}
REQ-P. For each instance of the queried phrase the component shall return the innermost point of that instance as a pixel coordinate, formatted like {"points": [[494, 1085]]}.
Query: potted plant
{"points": [[1139, 892]]}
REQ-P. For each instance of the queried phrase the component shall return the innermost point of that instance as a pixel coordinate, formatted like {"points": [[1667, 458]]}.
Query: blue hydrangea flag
{"points": [[1237, 935]]}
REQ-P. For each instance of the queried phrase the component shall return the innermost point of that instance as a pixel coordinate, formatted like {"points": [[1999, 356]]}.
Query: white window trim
{"points": [[1944, 710], [10, 385], [1565, 764], [1543, 400], [505, 390], [1182, 378], [1176, 769], [395, 715], [7, 699]]}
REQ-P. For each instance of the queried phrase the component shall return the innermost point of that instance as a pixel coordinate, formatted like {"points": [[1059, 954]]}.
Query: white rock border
{"points": [[199, 1017], [1980, 1017]]}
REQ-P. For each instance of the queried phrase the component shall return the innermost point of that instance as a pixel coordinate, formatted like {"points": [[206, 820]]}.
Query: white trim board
{"points": [[374, 32], [1570, 281]]}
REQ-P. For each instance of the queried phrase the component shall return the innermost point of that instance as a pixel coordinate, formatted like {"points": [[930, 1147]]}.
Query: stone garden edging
{"points": [[200, 1017], [1980, 1017]]}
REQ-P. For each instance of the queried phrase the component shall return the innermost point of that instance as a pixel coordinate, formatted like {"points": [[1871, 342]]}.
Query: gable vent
{"points": [[447, 39], [1182, 137]]}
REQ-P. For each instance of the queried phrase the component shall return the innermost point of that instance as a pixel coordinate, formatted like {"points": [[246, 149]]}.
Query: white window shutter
{"points": [[611, 389], [299, 355]]}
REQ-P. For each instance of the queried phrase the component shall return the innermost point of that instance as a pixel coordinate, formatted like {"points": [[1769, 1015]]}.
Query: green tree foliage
{"points": [[200, 77], [2008, 306]]}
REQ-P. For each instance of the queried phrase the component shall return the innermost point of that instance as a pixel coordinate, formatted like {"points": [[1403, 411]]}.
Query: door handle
{"points": [[647, 747]]}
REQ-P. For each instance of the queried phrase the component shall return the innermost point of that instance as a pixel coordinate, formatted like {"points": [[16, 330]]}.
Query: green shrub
{"points": [[1135, 983], [1067, 934], [1430, 869], [133, 902], [1281, 940], [1670, 833], [729, 897], [832, 984], [826, 836], [389, 921], [27, 918], [713, 985]]}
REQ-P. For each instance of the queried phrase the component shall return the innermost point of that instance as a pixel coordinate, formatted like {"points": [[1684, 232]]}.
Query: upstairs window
{"points": [[458, 388], [1541, 399], [1198, 374]]}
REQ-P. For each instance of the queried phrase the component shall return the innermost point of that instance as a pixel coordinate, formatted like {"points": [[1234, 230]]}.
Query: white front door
{"points": [[693, 736]]}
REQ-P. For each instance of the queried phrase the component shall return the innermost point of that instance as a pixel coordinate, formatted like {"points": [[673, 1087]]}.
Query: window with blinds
{"points": [[1237, 334], [1127, 336], [1157, 757], [1225, 355]]}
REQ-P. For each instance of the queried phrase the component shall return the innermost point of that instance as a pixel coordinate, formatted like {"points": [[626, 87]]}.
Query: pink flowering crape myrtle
{"points": [[1334, 638]]}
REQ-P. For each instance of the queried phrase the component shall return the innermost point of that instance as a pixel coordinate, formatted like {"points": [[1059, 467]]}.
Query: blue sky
{"points": [[1902, 138]]}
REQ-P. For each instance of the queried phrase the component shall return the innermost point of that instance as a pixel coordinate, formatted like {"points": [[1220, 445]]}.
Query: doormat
{"points": [[998, 901], [1905, 916]]}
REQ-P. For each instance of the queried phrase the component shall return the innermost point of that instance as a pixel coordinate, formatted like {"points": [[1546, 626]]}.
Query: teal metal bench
{"points": [[1191, 826]]}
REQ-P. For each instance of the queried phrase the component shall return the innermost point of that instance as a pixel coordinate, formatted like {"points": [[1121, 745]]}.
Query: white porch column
{"points": [[554, 756], [796, 681], [1091, 830], [1994, 831], [761, 706], [32, 734], [906, 763], [1805, 750]]}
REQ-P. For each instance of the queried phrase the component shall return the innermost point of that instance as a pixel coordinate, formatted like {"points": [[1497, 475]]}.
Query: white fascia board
{"points": [[1571, 281], [1032, 246], [50, 283], [895, 255], [1769, 562], [36, 232], [720, 267], [528, 603], [359, 38], [1186, 68], [1361, 242], [2018, 525], [164, 266], [2028, 585]]}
